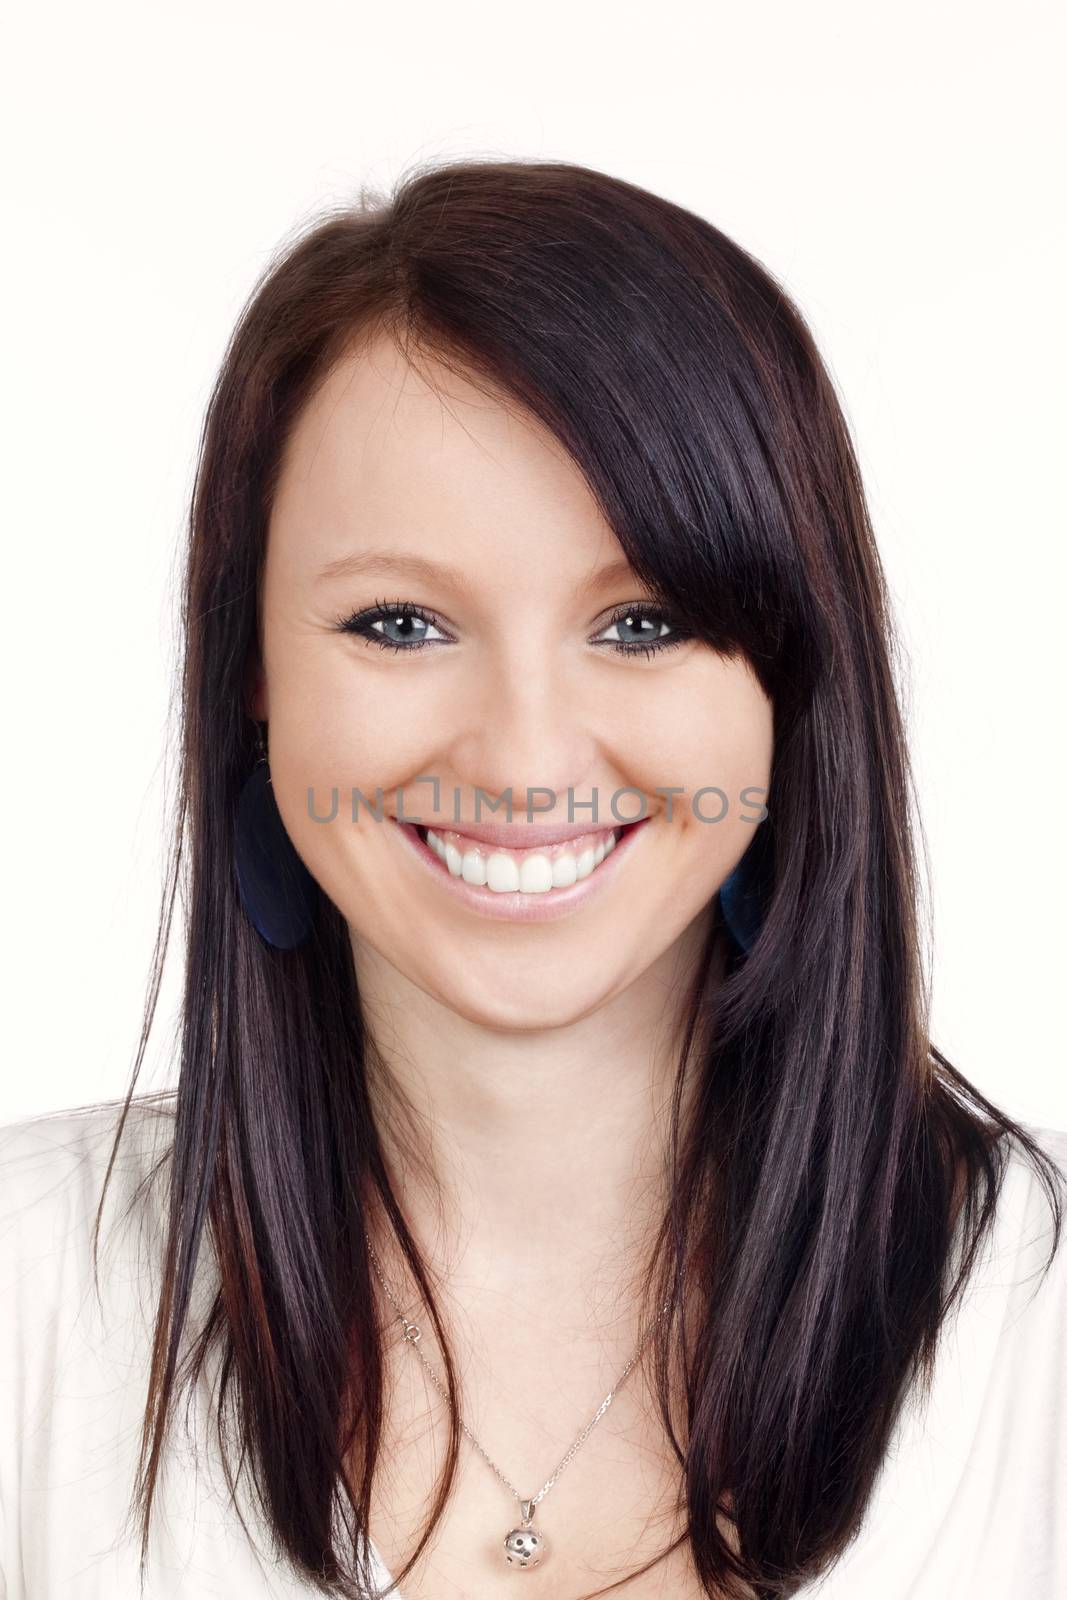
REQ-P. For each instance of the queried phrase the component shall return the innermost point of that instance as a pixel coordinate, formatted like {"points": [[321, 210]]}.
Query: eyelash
{"points": [[360, 623]]}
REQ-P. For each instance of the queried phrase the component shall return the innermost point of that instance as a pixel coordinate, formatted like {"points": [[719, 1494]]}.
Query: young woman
{"points": [[560, 1176]]}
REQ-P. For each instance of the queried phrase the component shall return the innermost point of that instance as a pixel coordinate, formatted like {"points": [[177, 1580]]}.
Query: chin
{"points": [[527, 1000]]}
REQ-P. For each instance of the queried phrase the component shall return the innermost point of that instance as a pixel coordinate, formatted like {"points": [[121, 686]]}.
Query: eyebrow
{"points": [[401, 565]]}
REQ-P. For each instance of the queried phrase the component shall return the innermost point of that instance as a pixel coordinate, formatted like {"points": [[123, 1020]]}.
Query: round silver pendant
{"points": [[524, 1547]]}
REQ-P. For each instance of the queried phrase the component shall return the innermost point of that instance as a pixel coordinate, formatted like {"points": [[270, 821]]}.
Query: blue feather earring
{"points": [[742, 897], [277, 890]]}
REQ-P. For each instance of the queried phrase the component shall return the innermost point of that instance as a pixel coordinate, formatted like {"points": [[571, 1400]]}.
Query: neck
{"points": [[530, 1164]]}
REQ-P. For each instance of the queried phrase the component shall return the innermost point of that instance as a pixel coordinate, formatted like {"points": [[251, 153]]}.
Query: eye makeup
{"points": [[367, 625]]}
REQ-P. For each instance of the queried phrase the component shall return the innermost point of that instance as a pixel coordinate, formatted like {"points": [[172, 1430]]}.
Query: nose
{"points": [[526, 728]]}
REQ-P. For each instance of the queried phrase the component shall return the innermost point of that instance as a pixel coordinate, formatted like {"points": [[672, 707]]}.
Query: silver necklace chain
{"points": [[412, 1333]]}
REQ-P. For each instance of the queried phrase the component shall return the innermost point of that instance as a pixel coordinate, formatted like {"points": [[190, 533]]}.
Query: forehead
{"points": [[421, 458]]}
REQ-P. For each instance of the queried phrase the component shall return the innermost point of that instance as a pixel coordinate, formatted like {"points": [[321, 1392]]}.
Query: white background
{"points": [[897, 165]]}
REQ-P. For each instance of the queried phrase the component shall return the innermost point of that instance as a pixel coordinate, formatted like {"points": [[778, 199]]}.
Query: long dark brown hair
{"points": [[837, 1173]]}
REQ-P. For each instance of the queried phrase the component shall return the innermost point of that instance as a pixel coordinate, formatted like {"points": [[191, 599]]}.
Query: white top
{"points": [[971, 1500]]}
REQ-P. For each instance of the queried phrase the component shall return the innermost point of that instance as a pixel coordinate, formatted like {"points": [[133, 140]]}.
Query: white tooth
{"points": [[535, 875], [502, 873], [505, 874], [564, 872], [474, 868]]}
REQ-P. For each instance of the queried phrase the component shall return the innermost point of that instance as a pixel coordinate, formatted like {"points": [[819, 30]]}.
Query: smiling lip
{"points": [[518, 907], [520, 836]]}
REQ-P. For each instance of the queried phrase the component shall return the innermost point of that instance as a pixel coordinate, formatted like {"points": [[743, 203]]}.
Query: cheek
{"points": [[335, 728], [714, 772], [333, 731], [719, 744], [333, 725]]}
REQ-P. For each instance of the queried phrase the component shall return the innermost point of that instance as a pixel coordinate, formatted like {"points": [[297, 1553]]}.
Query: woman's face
{"points": [[473, 519]]}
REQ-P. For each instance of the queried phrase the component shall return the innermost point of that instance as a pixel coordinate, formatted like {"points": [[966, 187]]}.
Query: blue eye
{"points": [[648, 643], [373, 625]]}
